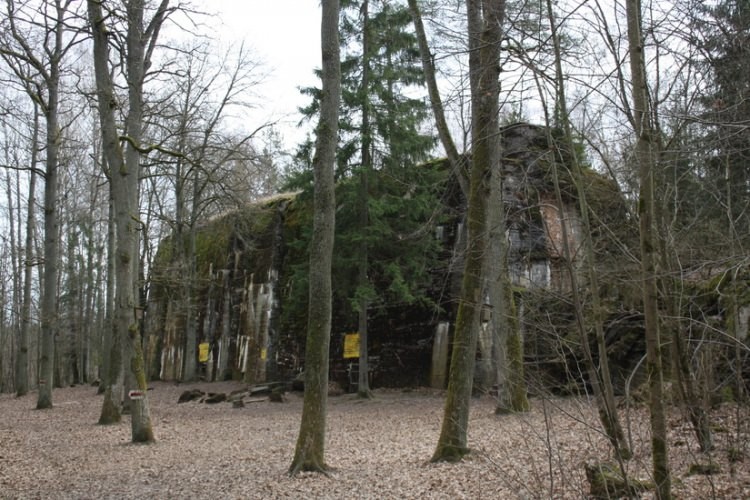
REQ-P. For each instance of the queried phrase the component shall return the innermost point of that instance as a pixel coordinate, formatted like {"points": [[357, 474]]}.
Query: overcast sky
{"points": [[286, 35]]}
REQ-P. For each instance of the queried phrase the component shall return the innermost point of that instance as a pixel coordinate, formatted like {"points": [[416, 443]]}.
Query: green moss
{"points": [[606, 482], [164, 253], [704, 469], [211, 246], [450, 454], [735, 455], [726, 394]]}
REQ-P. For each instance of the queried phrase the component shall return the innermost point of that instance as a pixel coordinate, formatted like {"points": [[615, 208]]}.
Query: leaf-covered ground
{"points": [[378, 448]]}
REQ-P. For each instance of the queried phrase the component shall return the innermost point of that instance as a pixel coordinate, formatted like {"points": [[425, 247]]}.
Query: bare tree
{"points": [[309, 453], [599, 374], [203, 154], [38, 69], [124, 167], [485, 22], [644, 156], [20, 154]]}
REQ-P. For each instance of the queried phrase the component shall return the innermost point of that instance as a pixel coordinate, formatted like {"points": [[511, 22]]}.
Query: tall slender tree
{"points": [[645, 159], [485, 22], [309, 452], [363, 382], [22, 358]]}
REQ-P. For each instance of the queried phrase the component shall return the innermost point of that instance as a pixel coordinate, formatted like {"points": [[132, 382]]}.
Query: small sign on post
{"points": [[203, 349], [351, 345], [135, 394]]}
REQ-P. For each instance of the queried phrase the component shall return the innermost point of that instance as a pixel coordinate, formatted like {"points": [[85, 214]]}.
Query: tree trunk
{"points": [[124, 176], [646, 165], [453, 435], [112, 344], [51, 242], [363, 381], [185, 260], [22, 358], [428, 67], [8, 350], [310, 449], [507, 339], [127, 216], [41, 80]]}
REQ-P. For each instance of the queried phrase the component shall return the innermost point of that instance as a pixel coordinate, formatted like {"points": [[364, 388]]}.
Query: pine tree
{"points": [[384, 248], [726, 48]]}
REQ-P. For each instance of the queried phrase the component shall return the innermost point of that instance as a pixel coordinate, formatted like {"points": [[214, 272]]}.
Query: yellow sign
{"points": [[203, 352], [263, 353], [351, 345]]}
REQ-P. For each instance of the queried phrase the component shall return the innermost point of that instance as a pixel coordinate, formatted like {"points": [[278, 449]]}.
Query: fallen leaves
{"points": [[378, 448]]}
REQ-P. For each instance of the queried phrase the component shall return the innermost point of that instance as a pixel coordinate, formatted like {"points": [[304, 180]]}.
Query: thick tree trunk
{"points": [[507, 339], [127, 217], [51, 242], [112, 344], [646, 165], [310, 449], [124, 177], [452, 444]]}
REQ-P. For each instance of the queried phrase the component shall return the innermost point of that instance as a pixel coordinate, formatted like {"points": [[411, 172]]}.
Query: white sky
{"points": [[285, 34]]}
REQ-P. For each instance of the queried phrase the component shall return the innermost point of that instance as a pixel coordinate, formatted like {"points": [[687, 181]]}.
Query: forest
{"points": [[506, 219]]}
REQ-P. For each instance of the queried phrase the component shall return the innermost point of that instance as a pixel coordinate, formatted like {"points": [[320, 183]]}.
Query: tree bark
{"points": [[438, 110], [22, 358], [124, 177], [112, 344], [646, 165], [51, 224], [452, 444], [8, 350], [507, 340], [310, 449], [363, 382]]}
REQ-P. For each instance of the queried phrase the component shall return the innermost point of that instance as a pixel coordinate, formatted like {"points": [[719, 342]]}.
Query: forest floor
{"points": [[378, 448]]}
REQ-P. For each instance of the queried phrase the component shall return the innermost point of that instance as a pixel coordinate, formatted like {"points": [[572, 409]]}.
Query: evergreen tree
{"points": [[726, 48], [384, 246]]}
